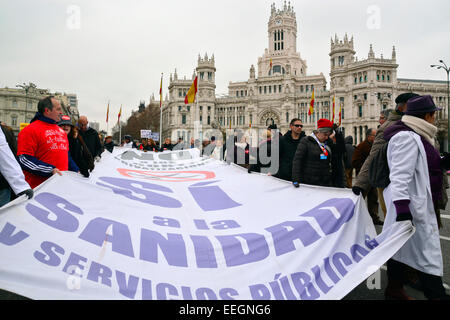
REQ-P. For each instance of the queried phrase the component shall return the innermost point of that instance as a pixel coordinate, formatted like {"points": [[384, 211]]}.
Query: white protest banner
{"points": [[146, 134], [174, 225]]}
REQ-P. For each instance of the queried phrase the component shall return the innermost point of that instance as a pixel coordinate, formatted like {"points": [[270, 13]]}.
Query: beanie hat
{"points": [[324, 125], [404, 97]]}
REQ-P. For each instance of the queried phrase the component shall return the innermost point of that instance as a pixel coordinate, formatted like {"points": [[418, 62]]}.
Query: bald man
{"points": [[90, 137]]}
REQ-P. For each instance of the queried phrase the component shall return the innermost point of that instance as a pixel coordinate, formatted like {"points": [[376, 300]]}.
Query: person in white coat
{"points": [[416, 185], [11, 171]]}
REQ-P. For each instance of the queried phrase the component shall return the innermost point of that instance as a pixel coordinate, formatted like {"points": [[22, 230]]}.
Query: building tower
{"points": [[282, 45]]}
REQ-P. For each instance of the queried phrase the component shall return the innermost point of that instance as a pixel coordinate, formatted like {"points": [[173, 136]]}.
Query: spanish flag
{"points": [[190, 97], [333, 109], [120, 113], [311, 105], [270, 65], [160, 92]]}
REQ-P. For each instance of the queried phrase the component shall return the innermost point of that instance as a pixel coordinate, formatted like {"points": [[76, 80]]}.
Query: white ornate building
{"points": [[280, 89]]}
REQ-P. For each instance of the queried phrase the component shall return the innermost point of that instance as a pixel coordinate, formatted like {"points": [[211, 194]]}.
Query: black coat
{"points": [[109, 146], [349, 149], [81, 155], [92, 141], [288, 147], [308, 167], [166, 146], [337, 160]]}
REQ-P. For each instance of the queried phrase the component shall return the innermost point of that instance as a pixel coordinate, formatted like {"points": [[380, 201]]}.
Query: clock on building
{"points": [[278, 21]]}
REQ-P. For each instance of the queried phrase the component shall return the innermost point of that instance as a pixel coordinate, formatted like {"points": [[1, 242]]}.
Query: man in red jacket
{"points": [[42, 146]]}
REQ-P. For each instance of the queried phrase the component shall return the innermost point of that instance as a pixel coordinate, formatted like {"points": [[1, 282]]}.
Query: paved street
{"points": [[362, 292]]}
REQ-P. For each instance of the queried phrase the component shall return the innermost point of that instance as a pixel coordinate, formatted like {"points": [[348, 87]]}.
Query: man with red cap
{"points": [[312, 162]]}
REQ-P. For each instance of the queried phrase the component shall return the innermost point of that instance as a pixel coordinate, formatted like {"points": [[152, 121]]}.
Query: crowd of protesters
{"points": [[417, 172]]}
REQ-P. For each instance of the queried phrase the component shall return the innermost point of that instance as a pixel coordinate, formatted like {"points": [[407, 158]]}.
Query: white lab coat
{"points": [[10, 168], [410, 180]]}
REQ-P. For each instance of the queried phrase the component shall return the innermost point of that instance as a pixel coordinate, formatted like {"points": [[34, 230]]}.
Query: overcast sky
{"points": [[117, 49]]}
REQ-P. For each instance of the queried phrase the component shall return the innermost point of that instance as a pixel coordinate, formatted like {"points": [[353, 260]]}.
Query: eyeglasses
{"points": [[298, 125]]}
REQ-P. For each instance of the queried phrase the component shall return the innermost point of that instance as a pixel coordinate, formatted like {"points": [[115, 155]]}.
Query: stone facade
{"points": [[281, 89], [20, 105]]}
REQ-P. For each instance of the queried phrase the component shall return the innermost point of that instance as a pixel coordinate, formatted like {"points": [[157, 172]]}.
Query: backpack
{"points": [[379, 168]]}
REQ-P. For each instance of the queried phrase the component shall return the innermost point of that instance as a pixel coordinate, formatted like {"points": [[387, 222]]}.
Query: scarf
{"points": [[421, 127]]}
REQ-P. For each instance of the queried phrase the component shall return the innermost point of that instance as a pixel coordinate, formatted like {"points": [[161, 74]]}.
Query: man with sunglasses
{"points": [[288, 146]]}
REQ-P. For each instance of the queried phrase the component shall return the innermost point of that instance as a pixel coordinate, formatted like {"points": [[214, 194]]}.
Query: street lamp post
{"points": [[447, 70]]}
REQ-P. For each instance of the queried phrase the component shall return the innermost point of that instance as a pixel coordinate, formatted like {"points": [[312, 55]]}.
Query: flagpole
{"points": [[160, 114], [107, 121], [120, 126], [197, 112]]}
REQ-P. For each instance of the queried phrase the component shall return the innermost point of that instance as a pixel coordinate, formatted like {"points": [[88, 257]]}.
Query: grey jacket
{"points": [[362, 179]]}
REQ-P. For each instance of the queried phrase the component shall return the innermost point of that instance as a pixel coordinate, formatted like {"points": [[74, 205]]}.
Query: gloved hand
{"points": [[29, 193], [296, 184], [403, 216], [357, 190], [85, 173]]}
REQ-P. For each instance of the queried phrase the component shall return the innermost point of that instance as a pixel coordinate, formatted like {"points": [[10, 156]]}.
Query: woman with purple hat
{"points": [[416, 186]]}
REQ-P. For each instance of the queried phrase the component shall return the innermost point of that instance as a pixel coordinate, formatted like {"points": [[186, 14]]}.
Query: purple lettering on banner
{"points": [[162, 288], [204, 252], [98, 271], [166, 222], [127, 289], [7, 237], [146, 289], [200, 224], [74, 260], [358, 252], [225, 224], [318, 278], [186, 292], [304, 286], [234, 253], [228, 293], [326, 219], [65, 221], [283, 239], [259, 292], [276, 289], [330, 272], [287, 288], [49, 258], [173, 248], [205, 294], [371, 243], [96, 233], [128, 189], [338, 259], [211, 198]]}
